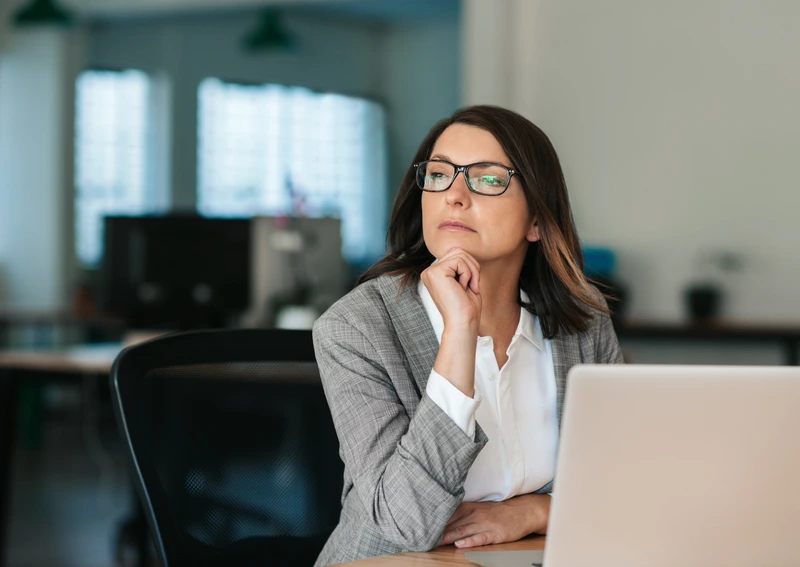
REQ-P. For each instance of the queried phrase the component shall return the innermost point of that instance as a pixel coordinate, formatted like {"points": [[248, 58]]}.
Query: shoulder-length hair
{"points": [[552, 272]]}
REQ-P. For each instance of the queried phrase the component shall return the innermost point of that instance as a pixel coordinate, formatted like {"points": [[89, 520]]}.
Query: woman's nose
{"points": [[459, 193]]}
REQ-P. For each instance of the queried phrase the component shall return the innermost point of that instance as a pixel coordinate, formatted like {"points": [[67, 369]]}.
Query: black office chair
{"points": [[232, 446]]}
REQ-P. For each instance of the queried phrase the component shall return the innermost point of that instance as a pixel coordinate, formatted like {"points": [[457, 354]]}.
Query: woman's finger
{"points": [[460, 532], [456, 268], [475, 276], [466, 270], [461, 253], [461, 512], [482, 538], [461, 521]]}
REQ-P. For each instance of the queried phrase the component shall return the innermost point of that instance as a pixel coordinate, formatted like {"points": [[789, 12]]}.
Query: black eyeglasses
{"points": [[483, 178]]}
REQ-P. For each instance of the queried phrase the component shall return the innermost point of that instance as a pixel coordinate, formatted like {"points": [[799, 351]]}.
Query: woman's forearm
{"points": [[456, 358]]}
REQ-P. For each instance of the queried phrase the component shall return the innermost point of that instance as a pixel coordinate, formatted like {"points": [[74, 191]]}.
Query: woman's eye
{"points": [[492, 180]]}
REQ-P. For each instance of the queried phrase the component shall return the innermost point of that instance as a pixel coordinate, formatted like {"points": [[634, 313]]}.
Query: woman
{"points": [[445, 367]]}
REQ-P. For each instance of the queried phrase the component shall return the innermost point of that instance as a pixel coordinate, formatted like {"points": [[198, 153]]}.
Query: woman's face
{"points": [[490, 228]]}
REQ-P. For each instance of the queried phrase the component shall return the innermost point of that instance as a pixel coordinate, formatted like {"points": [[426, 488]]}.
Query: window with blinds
{"points": [[114, 150], [277, 150]]}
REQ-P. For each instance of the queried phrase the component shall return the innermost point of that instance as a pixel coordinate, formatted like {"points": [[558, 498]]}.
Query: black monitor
{"points": [[175, 271]]}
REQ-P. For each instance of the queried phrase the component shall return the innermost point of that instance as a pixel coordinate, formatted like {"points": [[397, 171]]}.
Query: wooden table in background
{"points": [[447, 555]]}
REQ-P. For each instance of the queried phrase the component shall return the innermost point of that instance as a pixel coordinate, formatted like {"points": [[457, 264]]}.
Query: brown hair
{"points": [[552, 272]]}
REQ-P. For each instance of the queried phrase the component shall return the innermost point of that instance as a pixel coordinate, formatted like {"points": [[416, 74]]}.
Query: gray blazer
{"points": [[405, 460]]}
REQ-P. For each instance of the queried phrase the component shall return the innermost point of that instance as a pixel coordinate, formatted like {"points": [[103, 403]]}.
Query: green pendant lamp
{"points": [[42, 12], [269, 34]]}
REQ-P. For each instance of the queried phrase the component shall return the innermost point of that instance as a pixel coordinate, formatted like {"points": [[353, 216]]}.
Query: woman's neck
{"points": [[500, 309]]}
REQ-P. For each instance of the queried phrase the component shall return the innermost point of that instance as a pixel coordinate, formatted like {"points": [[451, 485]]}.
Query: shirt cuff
{"points": [[457, 406]]}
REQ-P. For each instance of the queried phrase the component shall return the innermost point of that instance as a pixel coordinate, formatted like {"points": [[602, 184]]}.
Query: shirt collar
{"points": [[528, 326]]}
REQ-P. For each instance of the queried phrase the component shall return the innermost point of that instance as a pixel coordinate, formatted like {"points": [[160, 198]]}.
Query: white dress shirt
{"points": [[515, 405]]}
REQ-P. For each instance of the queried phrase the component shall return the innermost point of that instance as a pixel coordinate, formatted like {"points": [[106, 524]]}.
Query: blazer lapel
{"points": [[566, 354], [413, 328]]}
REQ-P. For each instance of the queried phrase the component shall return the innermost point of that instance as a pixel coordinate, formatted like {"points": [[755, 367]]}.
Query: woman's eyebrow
{"points": [[445, 158]]}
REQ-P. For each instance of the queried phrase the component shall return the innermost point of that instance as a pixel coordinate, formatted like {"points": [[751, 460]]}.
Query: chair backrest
{"points": [[232, 446]]}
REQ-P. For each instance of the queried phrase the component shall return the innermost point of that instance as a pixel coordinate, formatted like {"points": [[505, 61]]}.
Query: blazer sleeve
{"points": [[408, 471]]}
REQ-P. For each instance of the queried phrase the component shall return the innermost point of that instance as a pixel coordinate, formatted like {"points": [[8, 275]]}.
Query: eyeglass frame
{"points": [[463, 170]]}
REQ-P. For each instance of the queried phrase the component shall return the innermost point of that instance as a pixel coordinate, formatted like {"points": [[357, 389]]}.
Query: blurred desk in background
{"points": [[16, 366], [35, 325], [80, 359], [786, 337]]}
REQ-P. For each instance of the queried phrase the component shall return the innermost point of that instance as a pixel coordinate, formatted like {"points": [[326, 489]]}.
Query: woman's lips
{"points": [[455, 226]]}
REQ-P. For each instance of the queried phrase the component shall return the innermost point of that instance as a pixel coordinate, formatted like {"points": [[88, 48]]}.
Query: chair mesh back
{"points": [[236, 452]]}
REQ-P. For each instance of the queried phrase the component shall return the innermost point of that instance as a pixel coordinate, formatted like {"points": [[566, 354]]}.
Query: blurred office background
{"points": [[269, 138]]}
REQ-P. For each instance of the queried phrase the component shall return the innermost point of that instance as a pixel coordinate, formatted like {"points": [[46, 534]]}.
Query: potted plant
{"points": [[704, 297]]}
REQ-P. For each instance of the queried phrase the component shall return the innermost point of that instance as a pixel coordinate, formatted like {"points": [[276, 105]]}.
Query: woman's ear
{"points": [[533, 231]]}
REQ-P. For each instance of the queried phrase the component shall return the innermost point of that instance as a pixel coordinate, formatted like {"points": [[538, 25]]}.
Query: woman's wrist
{"points": [[535, 511], [463, 334], [538, 513], [461, 326]]}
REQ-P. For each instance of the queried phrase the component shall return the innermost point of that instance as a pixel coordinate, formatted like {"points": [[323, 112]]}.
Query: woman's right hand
{"points": [[454, 284]]}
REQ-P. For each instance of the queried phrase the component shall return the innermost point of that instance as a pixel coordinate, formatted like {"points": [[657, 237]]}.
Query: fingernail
{"points": [[459, 543]]}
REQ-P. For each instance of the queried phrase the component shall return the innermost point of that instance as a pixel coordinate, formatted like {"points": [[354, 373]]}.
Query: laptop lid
{"points": [[678, 465]]}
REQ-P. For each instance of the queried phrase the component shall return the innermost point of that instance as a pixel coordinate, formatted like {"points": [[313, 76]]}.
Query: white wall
{"points": [[421, 82], [37, 78], [678, 127], [5, 189]]}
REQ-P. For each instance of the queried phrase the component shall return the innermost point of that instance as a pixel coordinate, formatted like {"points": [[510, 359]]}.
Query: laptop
{"points": [[684, 466]]}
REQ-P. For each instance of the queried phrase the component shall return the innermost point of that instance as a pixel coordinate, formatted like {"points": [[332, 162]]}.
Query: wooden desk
{"points": [[447, 555], [16, 366]]}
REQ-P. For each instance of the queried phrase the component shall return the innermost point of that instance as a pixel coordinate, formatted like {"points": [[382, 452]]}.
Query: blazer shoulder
{"points": [[600, 334], [597, 317], [363, 306]]}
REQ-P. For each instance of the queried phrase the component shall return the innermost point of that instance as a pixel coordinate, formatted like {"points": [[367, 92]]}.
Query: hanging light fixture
{"points": [[40, 12], [269, 33]]}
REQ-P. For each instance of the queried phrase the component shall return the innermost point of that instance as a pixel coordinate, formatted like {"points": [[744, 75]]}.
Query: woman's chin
{"points": [[446, 248]]}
